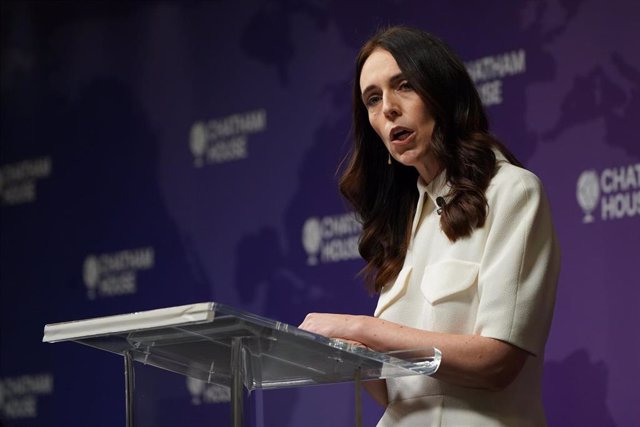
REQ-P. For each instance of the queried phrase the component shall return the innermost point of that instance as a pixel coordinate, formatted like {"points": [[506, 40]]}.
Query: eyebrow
{"points": [[393, 80]]}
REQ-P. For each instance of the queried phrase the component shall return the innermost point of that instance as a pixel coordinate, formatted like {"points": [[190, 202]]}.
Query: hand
{"points": [[353, 343], [330, 325]]}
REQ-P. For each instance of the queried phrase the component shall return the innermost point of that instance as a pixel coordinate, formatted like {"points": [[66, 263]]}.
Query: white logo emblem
{"points": [[91, 275], [202, 392], [588, 193], [312, 239], [196, 388], [198, 142]]}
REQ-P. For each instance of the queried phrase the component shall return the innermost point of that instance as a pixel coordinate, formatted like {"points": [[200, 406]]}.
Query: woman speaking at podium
{"points": [[457, 237]]}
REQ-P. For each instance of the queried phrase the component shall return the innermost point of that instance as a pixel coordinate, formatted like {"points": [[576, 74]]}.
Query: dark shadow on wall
{"points": [[261, 268], [281, 286], [575, 392]]}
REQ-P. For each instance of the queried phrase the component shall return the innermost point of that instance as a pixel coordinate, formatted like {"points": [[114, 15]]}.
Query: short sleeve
{"points": [[520, 264]]}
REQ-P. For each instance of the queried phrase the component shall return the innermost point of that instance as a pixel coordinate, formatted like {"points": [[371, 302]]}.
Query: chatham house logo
{"points": [[225, 139], [19, 396], [331, 238], [613, 193], [115, 274], [18, 181], [490, 72]]}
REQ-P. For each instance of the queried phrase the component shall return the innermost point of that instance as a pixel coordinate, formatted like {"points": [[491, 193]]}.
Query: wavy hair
{"points": [[385, 196]]}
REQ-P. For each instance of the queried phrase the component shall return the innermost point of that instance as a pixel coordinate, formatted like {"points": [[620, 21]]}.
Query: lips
{"points": [[400, 134]]}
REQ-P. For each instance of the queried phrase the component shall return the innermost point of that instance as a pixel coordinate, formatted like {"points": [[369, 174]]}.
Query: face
{"points": [[397, 113]]}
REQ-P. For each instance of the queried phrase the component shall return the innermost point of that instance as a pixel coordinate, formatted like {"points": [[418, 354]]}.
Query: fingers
{"points": [[307, 321], [354, 343], [317, 323], [327, 324]]}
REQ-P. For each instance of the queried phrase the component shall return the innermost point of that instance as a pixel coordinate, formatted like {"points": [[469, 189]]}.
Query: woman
{"points": [[466, 263]]}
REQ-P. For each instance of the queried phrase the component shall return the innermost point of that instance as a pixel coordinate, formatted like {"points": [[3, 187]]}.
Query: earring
{"points": [[389, 159]]}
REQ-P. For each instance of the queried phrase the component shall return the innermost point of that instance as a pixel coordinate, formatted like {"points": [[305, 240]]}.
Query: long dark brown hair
{"points": [[385, 196]]}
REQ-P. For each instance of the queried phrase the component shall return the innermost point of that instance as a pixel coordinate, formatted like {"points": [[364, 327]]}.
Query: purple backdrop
{"points": [[161, 153]]}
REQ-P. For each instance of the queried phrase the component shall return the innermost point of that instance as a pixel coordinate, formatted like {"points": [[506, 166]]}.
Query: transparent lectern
{"points": [[219, 344]]}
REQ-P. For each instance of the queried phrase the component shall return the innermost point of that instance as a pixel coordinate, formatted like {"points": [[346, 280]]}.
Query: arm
{"points": [[467, 360], [516, 290]]}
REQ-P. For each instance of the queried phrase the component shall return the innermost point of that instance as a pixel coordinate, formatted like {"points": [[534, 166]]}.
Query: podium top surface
{"points": [[196, 340]]}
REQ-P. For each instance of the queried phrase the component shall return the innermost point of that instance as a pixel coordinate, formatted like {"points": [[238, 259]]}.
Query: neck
{"points": [[429, 170]]}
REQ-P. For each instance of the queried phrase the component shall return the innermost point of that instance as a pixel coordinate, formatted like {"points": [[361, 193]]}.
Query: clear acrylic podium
{"points": [[219, 344]]}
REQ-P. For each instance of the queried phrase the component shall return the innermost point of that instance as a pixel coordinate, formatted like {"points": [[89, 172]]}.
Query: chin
{"points": [[407, 161]]}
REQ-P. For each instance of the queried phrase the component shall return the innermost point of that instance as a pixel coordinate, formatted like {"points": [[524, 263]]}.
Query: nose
{"points": [[390, 106]]}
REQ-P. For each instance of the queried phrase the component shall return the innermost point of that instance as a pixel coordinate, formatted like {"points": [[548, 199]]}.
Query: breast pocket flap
{"points": [[447, 278]]}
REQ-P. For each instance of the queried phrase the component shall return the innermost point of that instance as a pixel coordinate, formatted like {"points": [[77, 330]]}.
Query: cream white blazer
{"points": [[500, 282]]}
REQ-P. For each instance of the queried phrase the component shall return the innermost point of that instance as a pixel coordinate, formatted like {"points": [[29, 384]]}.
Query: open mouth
{"points": [[400, 134]]}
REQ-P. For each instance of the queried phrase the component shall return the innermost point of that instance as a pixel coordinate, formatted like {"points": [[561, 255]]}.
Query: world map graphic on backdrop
{"points": [[584, 117], [163, 152], [599, 83], [601, 80]]}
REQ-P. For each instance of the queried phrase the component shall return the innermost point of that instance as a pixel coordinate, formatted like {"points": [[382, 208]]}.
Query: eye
{"points": [[405, 85], [372, 100]]}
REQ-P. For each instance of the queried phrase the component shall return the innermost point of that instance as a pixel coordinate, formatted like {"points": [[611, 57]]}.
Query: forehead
{"points": [[379, 67]]}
